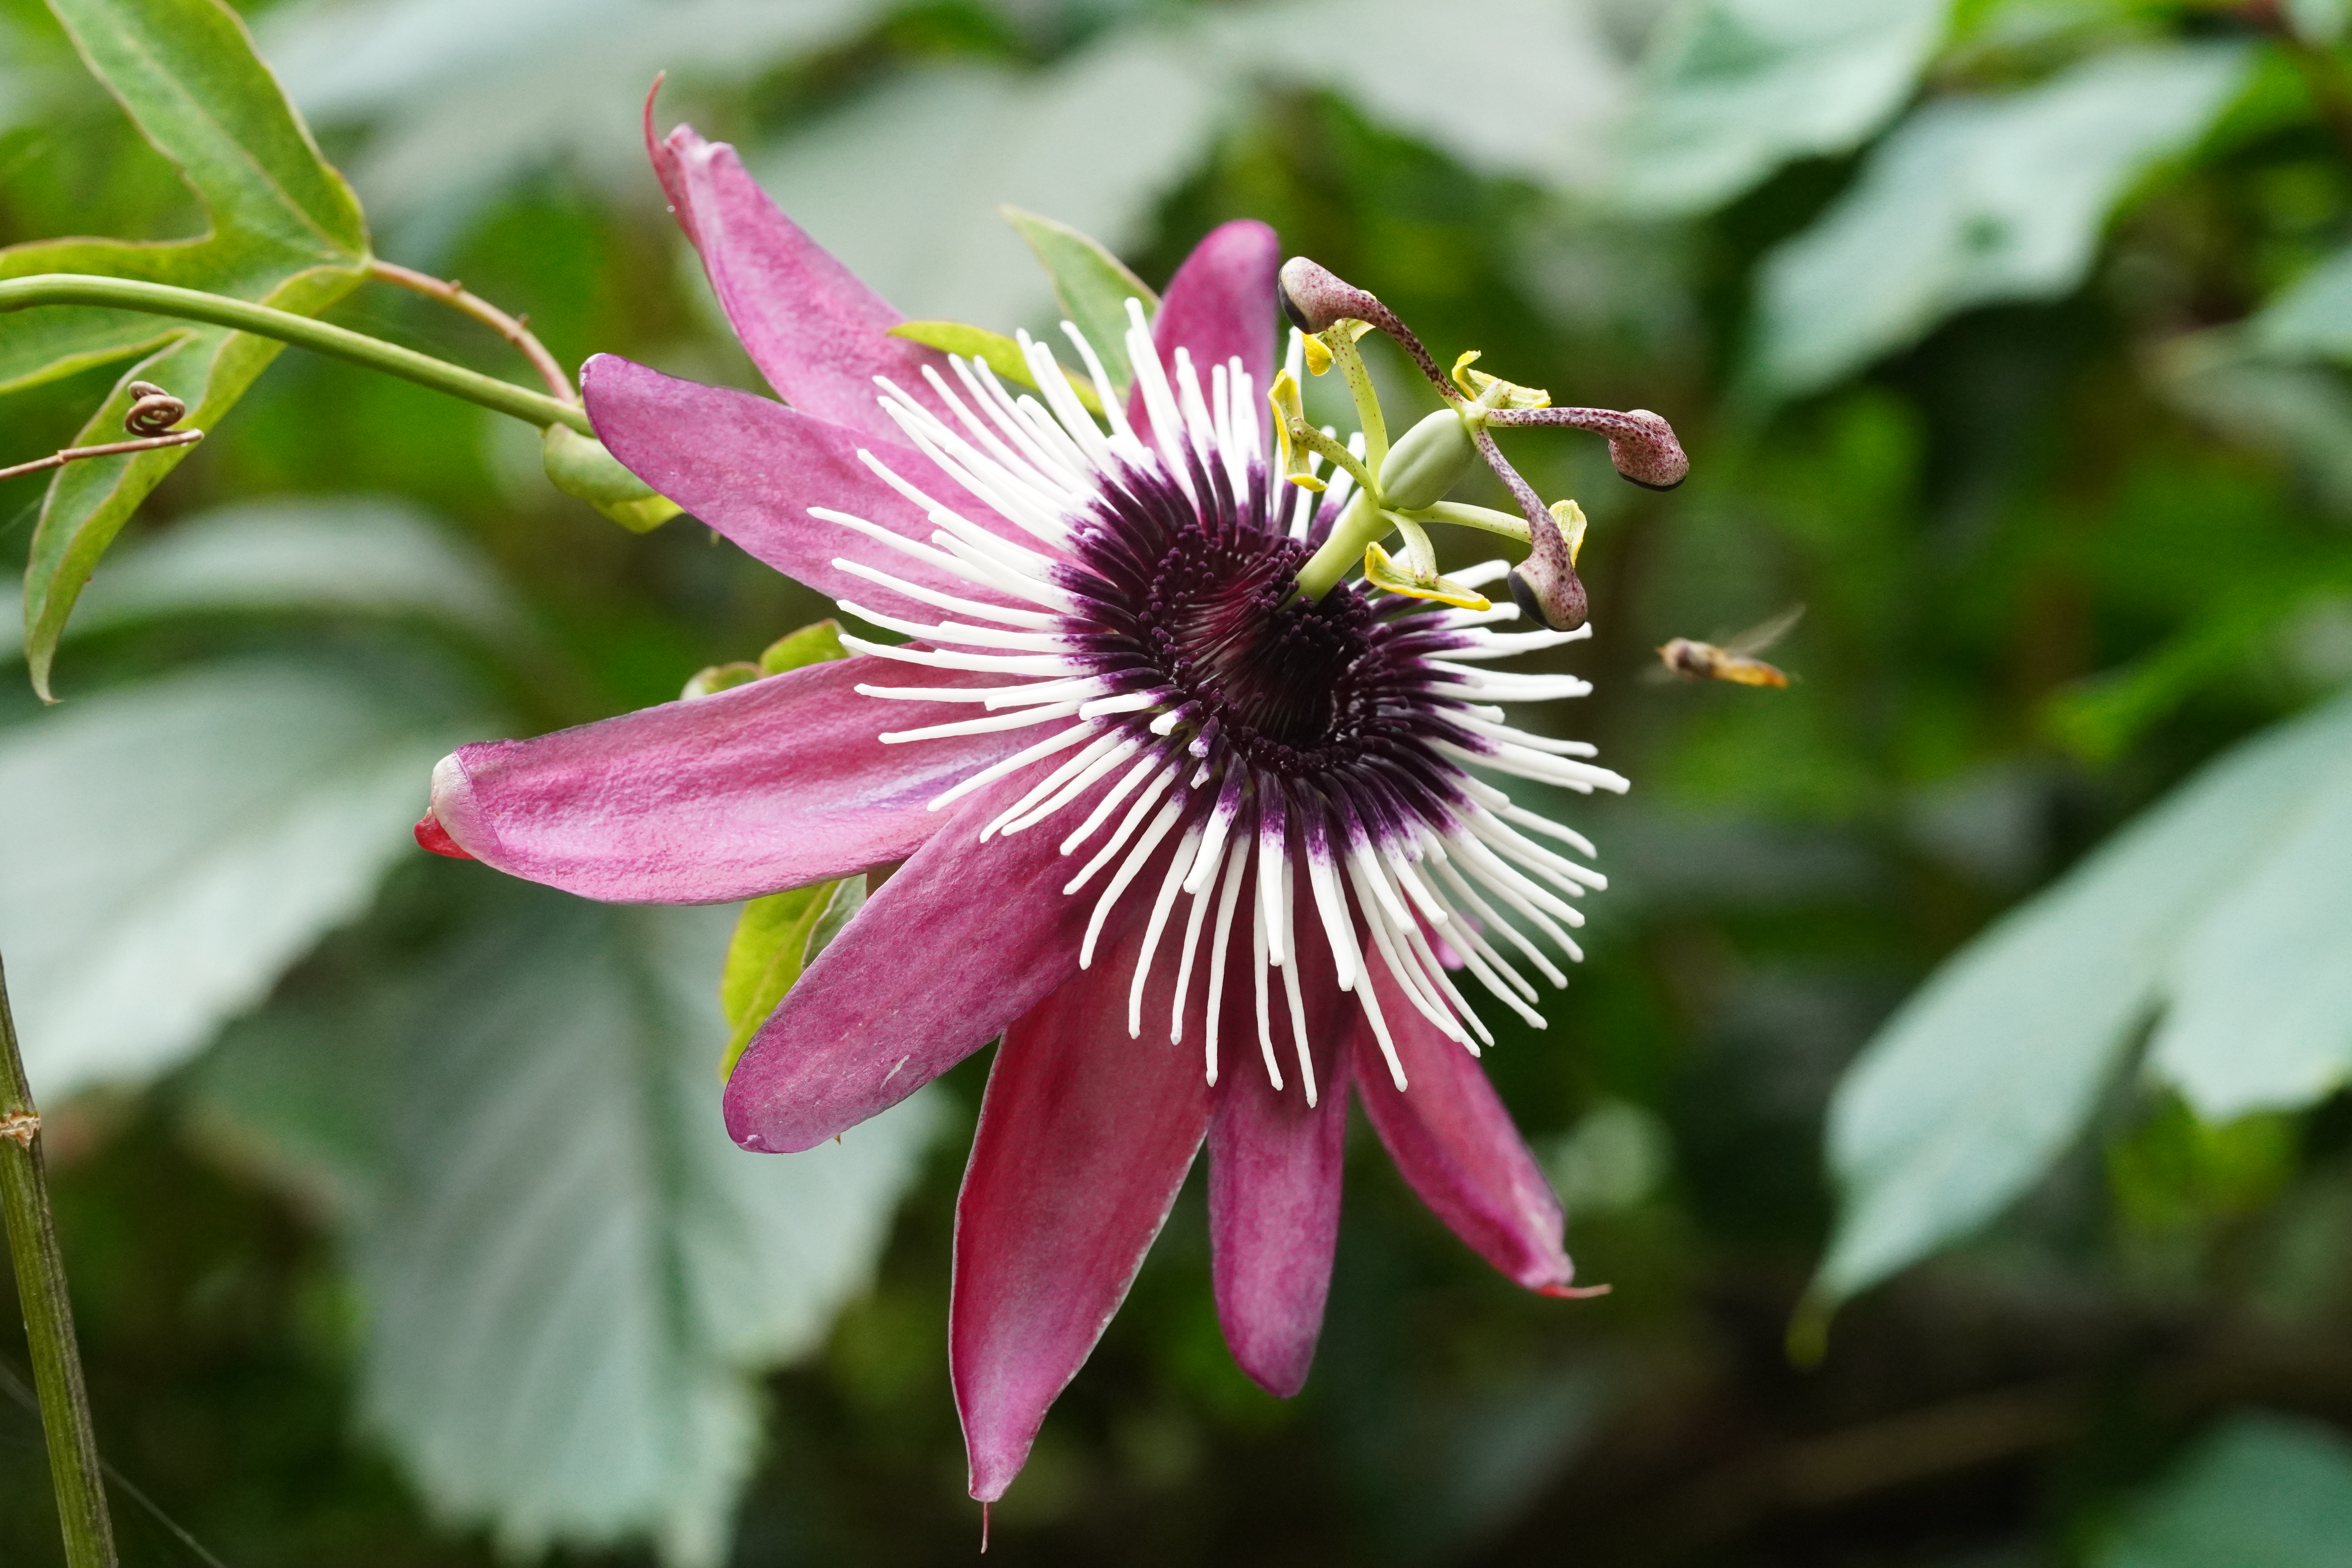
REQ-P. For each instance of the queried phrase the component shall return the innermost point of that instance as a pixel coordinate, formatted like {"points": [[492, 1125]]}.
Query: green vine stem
{"points": [[534, 408], [49, 1316]]}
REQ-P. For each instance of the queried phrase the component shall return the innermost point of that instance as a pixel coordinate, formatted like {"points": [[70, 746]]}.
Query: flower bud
{"points": [[1427, 461], [1315, 298], [579, 465], [1649, 455]]}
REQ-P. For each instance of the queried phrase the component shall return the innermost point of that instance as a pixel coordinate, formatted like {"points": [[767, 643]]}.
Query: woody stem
{"points": [[40, 1268]]}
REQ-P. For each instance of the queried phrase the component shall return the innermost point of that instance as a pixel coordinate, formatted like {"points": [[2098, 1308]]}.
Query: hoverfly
{"points": [[1736, 659]]}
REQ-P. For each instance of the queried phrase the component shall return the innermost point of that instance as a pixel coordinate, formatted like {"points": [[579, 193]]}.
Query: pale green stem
{"points": [[1464, 515], [40, 1269], [533, 408], [1368, 418], [1418, 551]]}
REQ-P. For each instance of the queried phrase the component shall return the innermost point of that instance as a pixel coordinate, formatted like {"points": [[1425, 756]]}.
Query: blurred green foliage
{"points": [[2022, 370]]}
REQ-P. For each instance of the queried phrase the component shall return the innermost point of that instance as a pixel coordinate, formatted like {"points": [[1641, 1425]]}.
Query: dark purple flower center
{"points": [[1206, 610]]}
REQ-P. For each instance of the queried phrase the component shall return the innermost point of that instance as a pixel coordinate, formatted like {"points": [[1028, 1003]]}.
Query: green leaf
{"points": [[999, 352], [334, 556], [1093, 285], [167, 849], [775, 937], [286, 231], [1974, 200], [2314, 318], [2099, 719], [1525, 92], [1098, 137], [569, 1274], [187, 72], [819, 642], [461, 105], [2260, 991], [1731, 89], [1991, 1069], [2301, 410], [2259, 1491]]}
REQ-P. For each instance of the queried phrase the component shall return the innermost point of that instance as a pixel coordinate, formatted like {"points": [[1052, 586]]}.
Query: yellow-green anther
{"points": [[1571, 517], [1290, 413], [1492, 391], [1469, 356], [1317, 354], [1427, 461]]}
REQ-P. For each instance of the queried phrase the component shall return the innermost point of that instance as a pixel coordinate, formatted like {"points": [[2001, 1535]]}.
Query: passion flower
{"points": [[1209, 847]]}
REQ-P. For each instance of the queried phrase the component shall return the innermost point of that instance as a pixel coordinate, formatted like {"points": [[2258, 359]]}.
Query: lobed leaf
{"points": [[570, 1273], [167, 849], [328, 555]]}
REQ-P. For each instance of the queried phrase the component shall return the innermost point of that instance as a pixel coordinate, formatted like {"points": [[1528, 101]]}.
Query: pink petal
{"points": [[817, 334], [1274, 1174], [1455, 1145], [1085, 1138], [1220, 303], [765, 786], [751, 468], [963, 939]]}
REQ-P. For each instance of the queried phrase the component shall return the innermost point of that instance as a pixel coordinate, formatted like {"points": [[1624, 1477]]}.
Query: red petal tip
{"points": [[431, 834]]}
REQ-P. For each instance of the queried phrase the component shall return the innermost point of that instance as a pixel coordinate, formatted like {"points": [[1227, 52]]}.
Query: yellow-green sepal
{"points": [[994, 349], [819, 642], [713, 679], [775, 938]]}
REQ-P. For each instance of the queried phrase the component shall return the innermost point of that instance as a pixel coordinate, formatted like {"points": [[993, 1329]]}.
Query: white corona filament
{"points": [[997, 600]]}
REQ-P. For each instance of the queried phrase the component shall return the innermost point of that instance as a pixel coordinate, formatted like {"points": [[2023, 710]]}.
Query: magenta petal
{"points": [[765, 786], [751, 468], [1274, 1175], [818, 334], [965, 938], [1085, 1137], [1221, 303], [1457, 1147]]}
